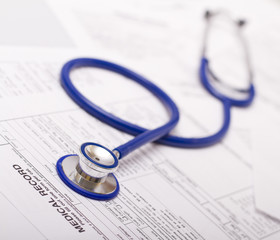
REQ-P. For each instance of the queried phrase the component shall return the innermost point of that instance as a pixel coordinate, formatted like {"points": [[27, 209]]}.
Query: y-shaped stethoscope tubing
{"points": [[204, 70]]}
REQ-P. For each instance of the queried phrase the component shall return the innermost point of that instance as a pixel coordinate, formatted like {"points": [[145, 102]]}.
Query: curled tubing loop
{"points": [[143, 135]]}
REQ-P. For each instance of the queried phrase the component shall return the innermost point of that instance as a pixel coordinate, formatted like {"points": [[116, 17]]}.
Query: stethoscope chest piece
{"points": [[91, 172]]}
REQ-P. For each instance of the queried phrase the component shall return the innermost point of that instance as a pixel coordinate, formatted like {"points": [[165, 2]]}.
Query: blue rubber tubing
{"points": [[143, 135], [204, 69]]}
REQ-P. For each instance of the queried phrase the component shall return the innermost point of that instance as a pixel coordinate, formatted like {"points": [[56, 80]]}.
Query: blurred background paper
{"points": [[31, 23], [266, 157]]}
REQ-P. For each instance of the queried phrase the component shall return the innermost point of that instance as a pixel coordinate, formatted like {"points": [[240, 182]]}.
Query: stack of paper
{"points": [[165, 193]]}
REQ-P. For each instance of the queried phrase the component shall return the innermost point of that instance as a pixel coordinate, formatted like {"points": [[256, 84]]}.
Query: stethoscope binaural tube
{"points": [[204, 78]]}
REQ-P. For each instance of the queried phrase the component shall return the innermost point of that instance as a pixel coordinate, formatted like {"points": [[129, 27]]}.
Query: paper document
{"points": [[266, 169], [209, 197], [165, 192]]}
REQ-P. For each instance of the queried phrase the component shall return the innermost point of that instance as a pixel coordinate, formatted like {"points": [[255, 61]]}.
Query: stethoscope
{"points": [[90, 173]]}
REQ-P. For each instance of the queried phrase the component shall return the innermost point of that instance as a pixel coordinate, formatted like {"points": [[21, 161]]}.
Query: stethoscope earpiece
{"points": [[241, 22], [91, 172], [207, 14]]}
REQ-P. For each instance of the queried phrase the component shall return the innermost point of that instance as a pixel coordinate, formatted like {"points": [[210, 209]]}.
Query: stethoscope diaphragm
{"points": [[90, 174]]}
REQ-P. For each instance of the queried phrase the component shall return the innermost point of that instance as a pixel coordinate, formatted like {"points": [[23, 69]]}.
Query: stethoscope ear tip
{"points": [[241, 22], [90, 179], [207, 14]]}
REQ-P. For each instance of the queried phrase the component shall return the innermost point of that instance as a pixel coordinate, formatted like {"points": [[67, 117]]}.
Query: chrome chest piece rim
{"points": [[91, 172]]}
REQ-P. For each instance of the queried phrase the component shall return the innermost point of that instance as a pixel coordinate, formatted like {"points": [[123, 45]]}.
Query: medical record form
{"points": [[167, 194]]}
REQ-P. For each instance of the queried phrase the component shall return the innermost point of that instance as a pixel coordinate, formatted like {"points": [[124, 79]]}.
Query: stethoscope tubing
{"points": [[204, 70], [159, 135], [145, 135]]}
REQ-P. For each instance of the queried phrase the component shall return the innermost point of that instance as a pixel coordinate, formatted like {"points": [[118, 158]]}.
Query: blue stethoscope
{"points": [[90, 173]]}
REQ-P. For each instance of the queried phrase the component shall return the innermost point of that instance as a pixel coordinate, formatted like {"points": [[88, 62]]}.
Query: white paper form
{"points": [[139, 213], [266, 166], [157, 200], [168, 193]]}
